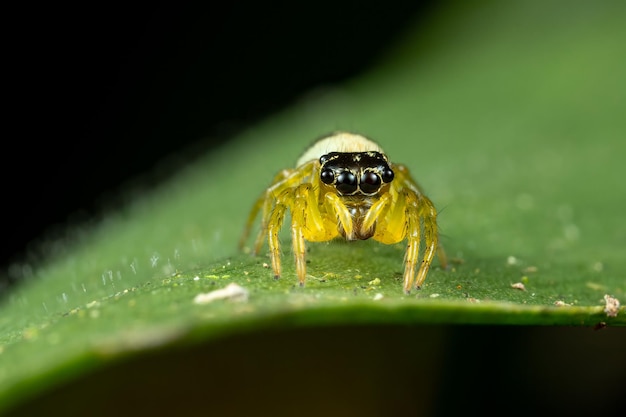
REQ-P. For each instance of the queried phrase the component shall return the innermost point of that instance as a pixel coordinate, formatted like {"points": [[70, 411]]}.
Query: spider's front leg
{"points": [[310, 221]]}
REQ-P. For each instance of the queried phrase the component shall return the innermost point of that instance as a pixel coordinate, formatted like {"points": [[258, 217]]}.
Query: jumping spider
{"points": [[344, 186]]}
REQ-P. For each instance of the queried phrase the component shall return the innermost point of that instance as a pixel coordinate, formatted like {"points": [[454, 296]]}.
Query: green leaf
{"points": [[517, 135]]}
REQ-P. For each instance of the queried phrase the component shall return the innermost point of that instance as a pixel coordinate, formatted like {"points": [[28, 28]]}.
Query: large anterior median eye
{"points": [[346, 183], [370, 182]]}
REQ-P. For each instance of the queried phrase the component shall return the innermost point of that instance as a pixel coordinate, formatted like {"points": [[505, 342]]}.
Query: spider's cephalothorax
{"points": [[344, 186], [358, 178]]}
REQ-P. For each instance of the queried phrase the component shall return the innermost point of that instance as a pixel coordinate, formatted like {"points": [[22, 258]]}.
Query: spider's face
{"points": [[354, 173]]}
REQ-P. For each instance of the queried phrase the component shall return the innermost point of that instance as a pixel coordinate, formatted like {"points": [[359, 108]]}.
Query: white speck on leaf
{"points": [[612, 306], [378, 296], [232, 292], [518, 286]]}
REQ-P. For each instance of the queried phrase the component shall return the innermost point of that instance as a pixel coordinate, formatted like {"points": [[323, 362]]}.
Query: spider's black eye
{"points": [[323, 159], [346, 183], [327, 176], [387, 175], [370, 182]]}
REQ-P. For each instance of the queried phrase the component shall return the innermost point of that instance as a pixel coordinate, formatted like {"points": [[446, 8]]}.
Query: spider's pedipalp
{"points": [[378, 210]]}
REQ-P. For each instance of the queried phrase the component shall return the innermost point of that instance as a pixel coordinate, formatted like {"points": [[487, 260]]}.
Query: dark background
{"points": [[102, 96]]}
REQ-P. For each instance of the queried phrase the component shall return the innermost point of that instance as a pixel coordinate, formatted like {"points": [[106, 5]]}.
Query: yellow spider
{"points": [[344, 186]]}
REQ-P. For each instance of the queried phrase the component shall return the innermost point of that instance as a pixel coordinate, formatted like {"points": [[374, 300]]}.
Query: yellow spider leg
{"points": [[320, 224], [263, 202], [441, 255], [424, 209], [273, 228], [306, 221], [265, 216], [431, 237], [403, 175], [391, 227], [283, 180], [413, 232], [335, 205], [251, 218], [299, 212]]}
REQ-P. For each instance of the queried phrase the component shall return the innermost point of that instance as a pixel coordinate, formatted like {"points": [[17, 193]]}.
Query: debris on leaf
{"points": [[378, 296], [375, 281], [600, 326], [560, 303], [612, 306], [530, 269], [595, 286], [518, 286], [231, 292]]}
